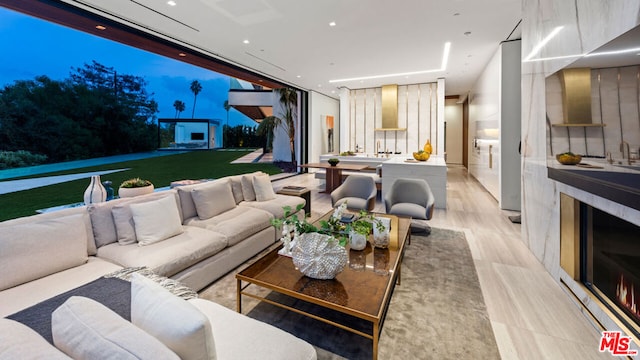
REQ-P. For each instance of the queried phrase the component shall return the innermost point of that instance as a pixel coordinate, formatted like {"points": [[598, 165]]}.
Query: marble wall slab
{"points": [[615, 102], [420, 112], [588, 24]]}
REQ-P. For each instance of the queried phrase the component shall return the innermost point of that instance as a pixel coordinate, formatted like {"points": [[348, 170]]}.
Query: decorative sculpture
{"points": [[319, 256]]}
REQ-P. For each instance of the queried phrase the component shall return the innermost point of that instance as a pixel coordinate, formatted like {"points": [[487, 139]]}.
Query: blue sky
{"points": [[33, 47]]}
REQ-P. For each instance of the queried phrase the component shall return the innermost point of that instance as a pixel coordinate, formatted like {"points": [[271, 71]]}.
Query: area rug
{"points": [[438, 311]]}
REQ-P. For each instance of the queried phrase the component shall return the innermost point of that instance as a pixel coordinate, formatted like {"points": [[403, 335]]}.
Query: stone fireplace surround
{"points": [[593, 246]]}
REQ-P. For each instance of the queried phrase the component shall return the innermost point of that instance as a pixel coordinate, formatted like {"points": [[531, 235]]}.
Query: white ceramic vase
{"points": [[131, 192], [95, 192], [357, 241]]}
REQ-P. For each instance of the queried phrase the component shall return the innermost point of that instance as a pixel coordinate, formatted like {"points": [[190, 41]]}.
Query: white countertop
{"points": [[599, 165], [434, 160]]}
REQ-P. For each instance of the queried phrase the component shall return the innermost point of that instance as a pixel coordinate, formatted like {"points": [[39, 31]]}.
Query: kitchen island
{"points": [[397, 166], [434, 171]]}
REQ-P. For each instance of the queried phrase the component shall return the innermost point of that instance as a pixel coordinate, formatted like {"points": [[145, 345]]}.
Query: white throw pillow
{"points": [[213, 199], [170, 319], [18, 341], [263, 188], [156, 220], [85, 329]]}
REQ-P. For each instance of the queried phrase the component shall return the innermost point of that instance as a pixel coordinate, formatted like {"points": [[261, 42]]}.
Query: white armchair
{"points": [[358, 191]]}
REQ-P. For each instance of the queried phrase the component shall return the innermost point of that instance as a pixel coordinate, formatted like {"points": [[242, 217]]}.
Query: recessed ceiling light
{"points": [[171, 3], [298, 76], [182, 54], [333, 91], [333, 23], [100, 27], [245, 41]]}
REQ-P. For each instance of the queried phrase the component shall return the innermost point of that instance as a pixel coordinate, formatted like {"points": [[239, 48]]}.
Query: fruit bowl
{"points": [[568, 158], [421, 155]]}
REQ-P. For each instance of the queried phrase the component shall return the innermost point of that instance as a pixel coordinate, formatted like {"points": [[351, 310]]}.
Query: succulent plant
{"points": [[135, 183]]}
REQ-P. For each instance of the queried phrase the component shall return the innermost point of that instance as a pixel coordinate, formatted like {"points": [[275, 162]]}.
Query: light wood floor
{"points": [[531, 315]]}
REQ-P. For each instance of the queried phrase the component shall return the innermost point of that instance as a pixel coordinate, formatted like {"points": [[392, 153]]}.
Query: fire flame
{"points": [[626, 296]]}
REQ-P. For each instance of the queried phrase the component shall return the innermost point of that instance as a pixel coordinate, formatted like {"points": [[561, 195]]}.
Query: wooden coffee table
{"points": [[362, 290]]}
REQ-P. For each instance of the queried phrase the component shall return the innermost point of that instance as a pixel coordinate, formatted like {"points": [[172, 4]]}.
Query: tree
{"points": [[266, 129], [179, 105], [289, 101], [95, 112], [227, 107], [195, 89], [225, 138]]}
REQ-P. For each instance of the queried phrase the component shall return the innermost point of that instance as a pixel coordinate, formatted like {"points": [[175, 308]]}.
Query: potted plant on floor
{"points": [[134, 187]]}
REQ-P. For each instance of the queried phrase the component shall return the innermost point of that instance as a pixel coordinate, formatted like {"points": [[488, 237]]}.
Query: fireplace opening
{"points": [[610, 250]]}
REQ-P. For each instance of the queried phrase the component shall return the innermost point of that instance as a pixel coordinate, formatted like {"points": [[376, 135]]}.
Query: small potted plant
{"points": [[360, 230], [135, 187], [333, 161]]}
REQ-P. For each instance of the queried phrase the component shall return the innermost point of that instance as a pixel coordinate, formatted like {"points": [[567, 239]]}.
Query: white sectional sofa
{"points": [[194, 234]]}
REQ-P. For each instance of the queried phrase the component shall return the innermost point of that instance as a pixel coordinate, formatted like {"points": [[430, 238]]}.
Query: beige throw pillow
{"points": [[85, 329], [213, 199], [125, 227], [236, 188], [170, 319], [263, 188], [156, 220], [247, 188]]}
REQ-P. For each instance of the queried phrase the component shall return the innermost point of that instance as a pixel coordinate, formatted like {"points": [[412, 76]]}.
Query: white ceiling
{"points": [[291, 40]]}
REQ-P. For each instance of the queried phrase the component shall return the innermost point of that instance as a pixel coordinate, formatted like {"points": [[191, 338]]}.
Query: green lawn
{"points": [[161, 171]]}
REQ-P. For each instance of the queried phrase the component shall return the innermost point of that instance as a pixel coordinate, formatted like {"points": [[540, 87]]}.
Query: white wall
{"points": [[484, 126], [453, 117], [184, 130], [494, 126], [320, 106], [420, 110]]}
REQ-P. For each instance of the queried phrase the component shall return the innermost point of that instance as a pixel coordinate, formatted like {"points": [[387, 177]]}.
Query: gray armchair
{"points": [[359, 191], [410, 197]]}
